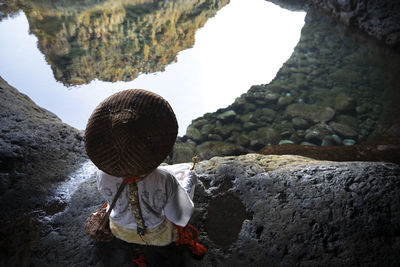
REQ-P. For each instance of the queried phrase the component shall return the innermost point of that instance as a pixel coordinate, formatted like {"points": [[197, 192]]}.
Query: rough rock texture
{"points": [[259, 210], [377, 18], [37, 150]]}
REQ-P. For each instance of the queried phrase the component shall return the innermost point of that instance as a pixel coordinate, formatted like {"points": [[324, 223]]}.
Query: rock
{"points": [[285, 142], [298, 211], [224, 130], [37, 151], [264, 114], [347, 120], [307, 144], [246, 117], [285, 100], [193, 133], [344, 103], [348, 142], [271, 97], [328, 141], [300, 123], [227, 115], [316, 133], [378, 19], [249, 207], [343, 130], [183, 151], [199, 123], [242, 140], [263, 136], [310, 112]]}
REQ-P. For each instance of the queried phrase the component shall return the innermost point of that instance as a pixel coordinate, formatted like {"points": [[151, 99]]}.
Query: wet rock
{"points": [[343, 130], [264, 114], [328, 141], [285, 100], [271, 97], [349, 142], [317, 133], [183, 151], [263, 136], [300, 123], [200, 122], [343, 102], [214, 137], [207, 129], [347, 120], [307, 144], [284, 142], [242, 140], [310, 112], [37, 151], [194, 133], [246, 117], [228, 115], [224, 130]]}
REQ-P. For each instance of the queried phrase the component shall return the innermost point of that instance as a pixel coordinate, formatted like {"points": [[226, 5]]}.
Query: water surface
{"points": [[244, 44]]}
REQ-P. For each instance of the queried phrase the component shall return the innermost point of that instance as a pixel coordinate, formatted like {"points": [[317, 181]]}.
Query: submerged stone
{"points": [[343, 102], [286, 141], [349, 142], [343, 130], [193, 133], [310, 112], [227, 115]]}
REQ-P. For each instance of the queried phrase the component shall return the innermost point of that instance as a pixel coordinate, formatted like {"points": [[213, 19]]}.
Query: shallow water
{"points": [[204, 69], [338, 88]]}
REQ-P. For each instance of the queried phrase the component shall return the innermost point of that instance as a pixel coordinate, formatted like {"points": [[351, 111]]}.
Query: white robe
{"points": [[164, 193]]}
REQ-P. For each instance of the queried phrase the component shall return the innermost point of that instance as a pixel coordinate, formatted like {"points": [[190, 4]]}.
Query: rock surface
{"points": [[377, 18], [259, 210], [37, 150]]}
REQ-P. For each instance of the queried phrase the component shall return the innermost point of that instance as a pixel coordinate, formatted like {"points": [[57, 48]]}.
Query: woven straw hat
{"points": [[130, 133]]}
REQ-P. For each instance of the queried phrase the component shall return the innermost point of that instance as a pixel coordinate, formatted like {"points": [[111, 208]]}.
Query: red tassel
{"points": [[188, 236], [140, 260], [131, 180]]}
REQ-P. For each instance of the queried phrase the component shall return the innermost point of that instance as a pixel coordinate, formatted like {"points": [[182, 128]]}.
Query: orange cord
{"points": [[140, 260], [188, 236]]}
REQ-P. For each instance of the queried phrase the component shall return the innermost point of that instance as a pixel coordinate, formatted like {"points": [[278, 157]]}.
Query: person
{"points": [[127, 137]]}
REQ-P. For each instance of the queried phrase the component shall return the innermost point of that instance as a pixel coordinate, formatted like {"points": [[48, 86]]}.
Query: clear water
{"points": [[245, 43]]}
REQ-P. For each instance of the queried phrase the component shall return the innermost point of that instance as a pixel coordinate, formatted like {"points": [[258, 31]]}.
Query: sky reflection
{"points": [[244, 44]]}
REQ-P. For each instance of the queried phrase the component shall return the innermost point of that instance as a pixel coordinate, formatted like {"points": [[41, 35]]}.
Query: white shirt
{"points": [[164, 193]]}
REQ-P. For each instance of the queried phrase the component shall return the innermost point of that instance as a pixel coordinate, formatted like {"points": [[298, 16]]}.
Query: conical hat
{"points": [[130, 133]]}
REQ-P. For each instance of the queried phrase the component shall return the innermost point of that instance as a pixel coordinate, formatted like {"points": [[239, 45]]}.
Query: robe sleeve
{"points": [[179, 206]]}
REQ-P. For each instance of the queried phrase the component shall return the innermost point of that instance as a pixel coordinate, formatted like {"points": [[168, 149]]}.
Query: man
{"points": [[127, 136]]}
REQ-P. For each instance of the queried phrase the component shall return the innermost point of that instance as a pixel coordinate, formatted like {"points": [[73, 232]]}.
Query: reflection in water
{"points": [[235, 49], [338, 88], [116, 40]]}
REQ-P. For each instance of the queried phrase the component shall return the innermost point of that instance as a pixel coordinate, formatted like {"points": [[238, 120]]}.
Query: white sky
{"points": [[244, 44]]}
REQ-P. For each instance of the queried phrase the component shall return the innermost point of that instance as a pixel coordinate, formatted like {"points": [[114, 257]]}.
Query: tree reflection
{"points": [[112, 40]]}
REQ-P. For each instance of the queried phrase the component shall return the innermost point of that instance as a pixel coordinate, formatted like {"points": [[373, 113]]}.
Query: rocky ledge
{"points": [[37, 151], [377, 18], [258, 210]]}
